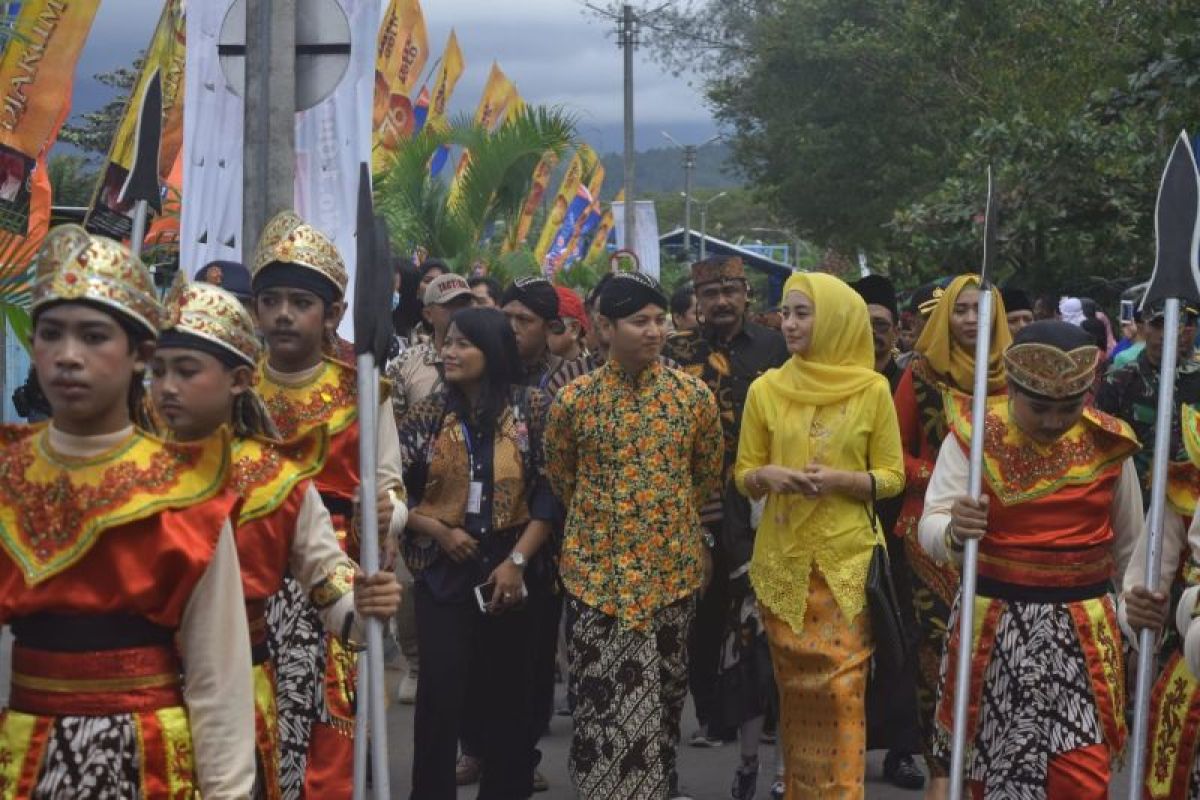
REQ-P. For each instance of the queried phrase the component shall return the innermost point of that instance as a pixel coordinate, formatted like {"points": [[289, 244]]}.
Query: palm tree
{"points": [[452, 225]]}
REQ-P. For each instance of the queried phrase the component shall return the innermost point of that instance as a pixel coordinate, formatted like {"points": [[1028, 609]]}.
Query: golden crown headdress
{"points": [[1048, 371], [213, 314], [290, 240], [72, 264]]}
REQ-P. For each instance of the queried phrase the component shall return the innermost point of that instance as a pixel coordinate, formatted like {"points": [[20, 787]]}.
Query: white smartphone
{"points": [[484, 592], [1126, 311]]}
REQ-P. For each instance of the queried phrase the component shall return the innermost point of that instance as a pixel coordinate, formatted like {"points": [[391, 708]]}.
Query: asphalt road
{"points": [[706, 774]]}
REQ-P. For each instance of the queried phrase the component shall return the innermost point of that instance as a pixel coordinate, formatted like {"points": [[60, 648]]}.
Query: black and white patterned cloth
{"points": [[630, 689], [297, 644], [1036, 703], [93, 757]]}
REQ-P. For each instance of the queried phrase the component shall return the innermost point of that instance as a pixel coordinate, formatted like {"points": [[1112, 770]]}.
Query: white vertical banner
{"points": [[211, 205], [646, 247], [332, 139]]}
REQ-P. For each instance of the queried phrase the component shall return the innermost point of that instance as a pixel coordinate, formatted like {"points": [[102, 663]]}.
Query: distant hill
{"points": [[661, 170]]}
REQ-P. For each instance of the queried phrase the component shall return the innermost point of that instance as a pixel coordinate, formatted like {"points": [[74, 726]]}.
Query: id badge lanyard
{"points": [[475, 487]]}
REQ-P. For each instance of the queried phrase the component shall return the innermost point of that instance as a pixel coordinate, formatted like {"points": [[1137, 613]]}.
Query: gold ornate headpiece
{"points": [[1049, 371], [926, 308], [287, 239], [213, 314], [74, 265]]}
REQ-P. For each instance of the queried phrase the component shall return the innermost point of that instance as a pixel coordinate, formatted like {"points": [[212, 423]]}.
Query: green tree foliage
{"points": [[93, 132], [867, 124], [72, 180], [421, 211]]}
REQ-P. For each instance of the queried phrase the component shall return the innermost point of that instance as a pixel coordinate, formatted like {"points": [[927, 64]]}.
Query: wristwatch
{"points": [[518, 558]]}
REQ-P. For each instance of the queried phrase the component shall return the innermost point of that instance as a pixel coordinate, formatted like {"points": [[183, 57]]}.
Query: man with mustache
{"points": [[727, 352]]}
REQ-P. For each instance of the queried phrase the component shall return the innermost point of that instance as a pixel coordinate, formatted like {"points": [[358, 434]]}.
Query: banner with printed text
{"points": [[537, 191], [500, 99], [401, 53], [579, 169], [37, 70], [599, 245]]}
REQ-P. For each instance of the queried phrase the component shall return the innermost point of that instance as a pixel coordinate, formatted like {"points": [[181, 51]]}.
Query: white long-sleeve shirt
{"points": [[314, 555], [949, 482], [1178, 545], [214, 643]]}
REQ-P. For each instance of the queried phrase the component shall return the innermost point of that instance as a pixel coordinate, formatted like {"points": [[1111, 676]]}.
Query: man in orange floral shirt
{"points": [[633, 450]]}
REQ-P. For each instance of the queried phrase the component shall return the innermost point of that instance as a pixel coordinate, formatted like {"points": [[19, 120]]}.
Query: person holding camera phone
{"points": [[481, 510]]}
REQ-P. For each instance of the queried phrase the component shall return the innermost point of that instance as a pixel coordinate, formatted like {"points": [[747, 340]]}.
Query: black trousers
{"points": [[489, 658], [704, 649], [544, 608]]}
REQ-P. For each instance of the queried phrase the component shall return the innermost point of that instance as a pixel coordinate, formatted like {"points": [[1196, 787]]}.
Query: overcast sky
{"points": [[552, 50]]}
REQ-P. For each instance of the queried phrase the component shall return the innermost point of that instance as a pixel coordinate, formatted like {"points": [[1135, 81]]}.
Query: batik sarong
{"points": [[821, 673], [631, 686], [1047, 682]]}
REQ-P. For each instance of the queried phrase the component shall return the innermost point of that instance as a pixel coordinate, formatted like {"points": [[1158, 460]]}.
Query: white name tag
{"points": [[474, 497]]}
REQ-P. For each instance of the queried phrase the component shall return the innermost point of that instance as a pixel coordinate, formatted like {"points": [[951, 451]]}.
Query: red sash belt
{"points": [[97, 683], [1044, 567]]}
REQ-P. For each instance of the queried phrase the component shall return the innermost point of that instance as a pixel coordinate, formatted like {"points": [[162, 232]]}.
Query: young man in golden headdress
{"points": [[203, 373], [118, 571], [299, 283], [1058, 519]]}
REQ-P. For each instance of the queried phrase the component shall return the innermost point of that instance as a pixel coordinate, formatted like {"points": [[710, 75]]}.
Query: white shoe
{"points": [[406, 692]]}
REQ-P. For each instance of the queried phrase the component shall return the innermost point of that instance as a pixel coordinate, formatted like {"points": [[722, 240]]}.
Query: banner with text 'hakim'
{"points": [[37, 70]]}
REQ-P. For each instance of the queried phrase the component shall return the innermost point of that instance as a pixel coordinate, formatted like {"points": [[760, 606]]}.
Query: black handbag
{"points": [[887, 626]]}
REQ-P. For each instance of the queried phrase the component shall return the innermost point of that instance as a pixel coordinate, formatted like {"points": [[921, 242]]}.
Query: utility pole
{"points": [[704, 223], [689, 164], [269, 176], [627, 40]]}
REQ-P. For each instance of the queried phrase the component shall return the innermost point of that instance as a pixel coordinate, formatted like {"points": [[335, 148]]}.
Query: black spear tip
{"points": [[142, 182], [1177, 228], [373, 279]]}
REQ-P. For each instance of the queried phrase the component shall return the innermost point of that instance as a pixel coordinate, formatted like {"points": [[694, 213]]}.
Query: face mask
{"points": [[395, 300]]}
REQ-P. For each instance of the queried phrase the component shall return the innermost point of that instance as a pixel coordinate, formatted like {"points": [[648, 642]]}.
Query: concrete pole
{"points": [[269, 149], [628, 39], [703, 231], [689, 163]]}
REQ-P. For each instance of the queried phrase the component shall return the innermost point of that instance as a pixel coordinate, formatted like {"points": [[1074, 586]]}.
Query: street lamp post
{"points": [[704, 223], [689, 163]]}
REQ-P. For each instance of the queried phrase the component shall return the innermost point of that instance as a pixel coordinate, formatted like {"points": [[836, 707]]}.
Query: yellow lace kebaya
{"points": [[633, 459], [828, 407]]}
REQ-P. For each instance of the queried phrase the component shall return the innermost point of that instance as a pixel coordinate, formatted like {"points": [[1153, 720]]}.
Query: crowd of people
{"points": [[651, 496]]}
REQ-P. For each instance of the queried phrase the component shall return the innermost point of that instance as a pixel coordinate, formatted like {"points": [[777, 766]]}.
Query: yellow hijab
{"points": [[839, 364], [946, 358]]}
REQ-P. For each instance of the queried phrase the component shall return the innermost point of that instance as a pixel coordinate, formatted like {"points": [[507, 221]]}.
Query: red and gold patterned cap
{"points": [[214, 315], [73, 265], [1052, 359], [287, 239], [718, 268]]}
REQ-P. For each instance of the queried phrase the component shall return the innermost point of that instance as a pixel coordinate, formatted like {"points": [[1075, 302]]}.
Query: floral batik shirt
{"points": [[633, 459]]}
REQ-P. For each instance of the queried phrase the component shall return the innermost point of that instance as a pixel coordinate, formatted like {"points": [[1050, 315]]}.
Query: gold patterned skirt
{"points": [[821, 673]]}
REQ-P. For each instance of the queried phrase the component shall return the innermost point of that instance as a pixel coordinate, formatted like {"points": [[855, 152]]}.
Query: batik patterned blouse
{"points": [[633, 459]]}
